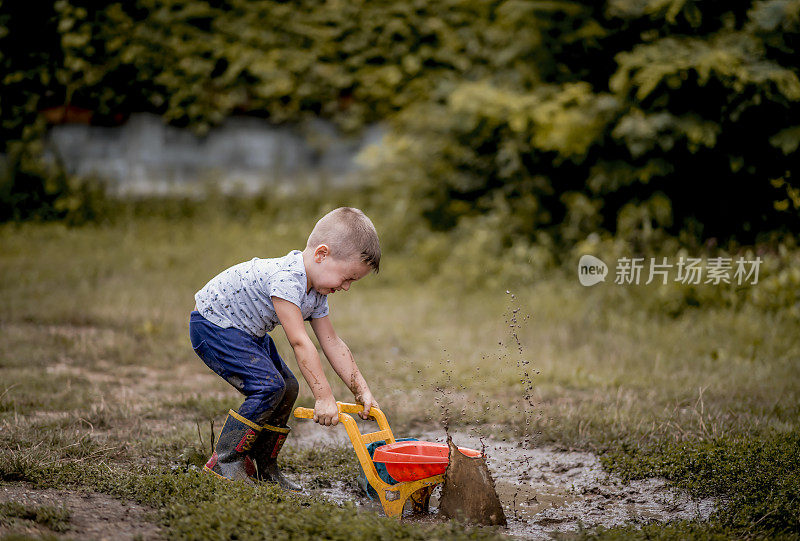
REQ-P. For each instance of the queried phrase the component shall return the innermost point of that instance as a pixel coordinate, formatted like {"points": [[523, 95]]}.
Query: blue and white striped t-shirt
{"points": [[240, 296]]}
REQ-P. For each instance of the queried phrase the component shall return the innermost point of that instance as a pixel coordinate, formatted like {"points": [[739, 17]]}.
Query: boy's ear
{"points": [[322, 251]]}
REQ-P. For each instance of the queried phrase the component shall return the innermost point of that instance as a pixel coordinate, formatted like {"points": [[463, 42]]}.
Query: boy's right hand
{"points": [[326, 412]]}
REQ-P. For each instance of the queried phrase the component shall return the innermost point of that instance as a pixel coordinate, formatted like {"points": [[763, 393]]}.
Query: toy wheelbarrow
{"points": [[418, 466]]}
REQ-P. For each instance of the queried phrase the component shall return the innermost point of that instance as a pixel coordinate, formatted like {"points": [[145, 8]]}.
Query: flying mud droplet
{"points": [[468, 492]]}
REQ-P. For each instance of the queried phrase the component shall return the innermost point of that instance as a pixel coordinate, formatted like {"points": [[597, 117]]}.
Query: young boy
{"points": [[236, 310]]}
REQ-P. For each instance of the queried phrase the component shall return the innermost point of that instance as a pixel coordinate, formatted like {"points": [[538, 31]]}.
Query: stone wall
{"points": [[244, 154]]}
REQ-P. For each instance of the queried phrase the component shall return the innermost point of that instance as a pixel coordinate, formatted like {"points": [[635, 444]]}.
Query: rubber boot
{"points": [[265, 455], [230, 459]]}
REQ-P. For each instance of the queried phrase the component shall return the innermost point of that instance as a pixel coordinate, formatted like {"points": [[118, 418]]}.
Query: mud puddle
{"points": [[542, 490]]}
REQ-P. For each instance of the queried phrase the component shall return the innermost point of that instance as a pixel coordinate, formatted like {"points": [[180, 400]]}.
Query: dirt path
{"points": [[91, 515], [543, 490]]}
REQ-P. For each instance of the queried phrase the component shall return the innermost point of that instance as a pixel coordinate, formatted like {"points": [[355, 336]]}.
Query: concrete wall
{"points": [[244, 154]]}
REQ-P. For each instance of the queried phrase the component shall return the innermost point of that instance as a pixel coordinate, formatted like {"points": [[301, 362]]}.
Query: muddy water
{"points": [[542, 490]]}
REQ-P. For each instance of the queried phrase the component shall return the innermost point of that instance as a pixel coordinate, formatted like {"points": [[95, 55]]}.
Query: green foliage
{"points": [[30, 56], [735, 59], [758, 478], [542, 121], [200, 62], [683, 133], [499, 152], [31, 188]]}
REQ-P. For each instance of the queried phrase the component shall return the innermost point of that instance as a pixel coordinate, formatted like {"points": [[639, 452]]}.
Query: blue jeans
{"points": [[252, 365]]}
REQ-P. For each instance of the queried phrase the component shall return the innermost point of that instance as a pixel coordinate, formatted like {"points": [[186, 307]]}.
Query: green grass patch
{"points": [[51, 517], [756, 478], [30, 390], [683, 530], [323, 464]]}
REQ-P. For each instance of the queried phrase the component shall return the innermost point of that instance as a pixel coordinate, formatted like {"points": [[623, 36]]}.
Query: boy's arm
{"points": [[343, 363], [325, 410]]}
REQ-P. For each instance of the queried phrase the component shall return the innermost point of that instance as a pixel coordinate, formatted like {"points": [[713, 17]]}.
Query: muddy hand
{"points": [[369, 402], [326, 412]]}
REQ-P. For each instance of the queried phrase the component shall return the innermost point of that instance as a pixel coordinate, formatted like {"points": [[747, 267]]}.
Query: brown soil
{"points": [[92, 515]]}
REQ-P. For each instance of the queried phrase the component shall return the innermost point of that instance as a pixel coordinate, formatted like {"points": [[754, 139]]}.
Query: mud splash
{"points": [[468, 493]]}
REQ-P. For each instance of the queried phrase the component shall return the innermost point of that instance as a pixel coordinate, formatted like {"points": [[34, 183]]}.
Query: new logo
{"points": [[591, 270]]}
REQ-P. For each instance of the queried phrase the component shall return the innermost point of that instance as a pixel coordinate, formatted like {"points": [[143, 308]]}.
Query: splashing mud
{"points": [[468, 493], [514, 320]]}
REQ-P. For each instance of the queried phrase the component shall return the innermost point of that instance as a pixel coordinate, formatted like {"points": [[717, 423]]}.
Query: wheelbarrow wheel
{"points": [[420, 501]]}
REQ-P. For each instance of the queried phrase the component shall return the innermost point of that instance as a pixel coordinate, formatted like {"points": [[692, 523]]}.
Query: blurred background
{"points": [[523, 127]]}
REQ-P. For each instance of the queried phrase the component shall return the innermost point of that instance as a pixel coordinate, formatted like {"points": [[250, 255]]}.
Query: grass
{"points": [[51, 517], [757, 476], [96, 368]]}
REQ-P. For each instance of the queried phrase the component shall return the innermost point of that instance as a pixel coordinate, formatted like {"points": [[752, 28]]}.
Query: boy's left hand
{"points": [[368, 401]]}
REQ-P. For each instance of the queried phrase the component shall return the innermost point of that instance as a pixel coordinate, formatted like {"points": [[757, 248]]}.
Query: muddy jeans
{"points": [[251, 364]]}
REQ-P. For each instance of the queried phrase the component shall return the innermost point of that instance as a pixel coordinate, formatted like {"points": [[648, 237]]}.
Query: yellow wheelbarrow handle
{"points": [[304, 413], [359, 440], [344, 407]]}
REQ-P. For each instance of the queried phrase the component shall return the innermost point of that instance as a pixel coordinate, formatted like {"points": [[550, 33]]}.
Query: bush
{"points": [[33, 189]]}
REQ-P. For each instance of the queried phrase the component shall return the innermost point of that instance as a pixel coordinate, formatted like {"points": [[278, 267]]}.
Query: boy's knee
{"points": [[266, 390], [279, 389]]}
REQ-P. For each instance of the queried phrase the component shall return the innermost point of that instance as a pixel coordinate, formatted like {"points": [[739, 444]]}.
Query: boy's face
{"points": [[329, 274]]}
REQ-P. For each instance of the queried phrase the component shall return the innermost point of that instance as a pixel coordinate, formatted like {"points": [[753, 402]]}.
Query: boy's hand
{"points": [[326, 412], [368, 401]]}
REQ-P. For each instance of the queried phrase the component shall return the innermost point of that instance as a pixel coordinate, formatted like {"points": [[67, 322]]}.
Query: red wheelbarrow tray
{"points": [[412, 460]]}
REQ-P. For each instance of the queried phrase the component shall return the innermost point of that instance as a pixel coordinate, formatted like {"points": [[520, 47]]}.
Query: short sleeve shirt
{"points": [[240, 296]]}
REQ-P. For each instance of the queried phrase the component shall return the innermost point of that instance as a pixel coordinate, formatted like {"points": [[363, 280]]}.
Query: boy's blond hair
{"points": [[348, 233]]}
